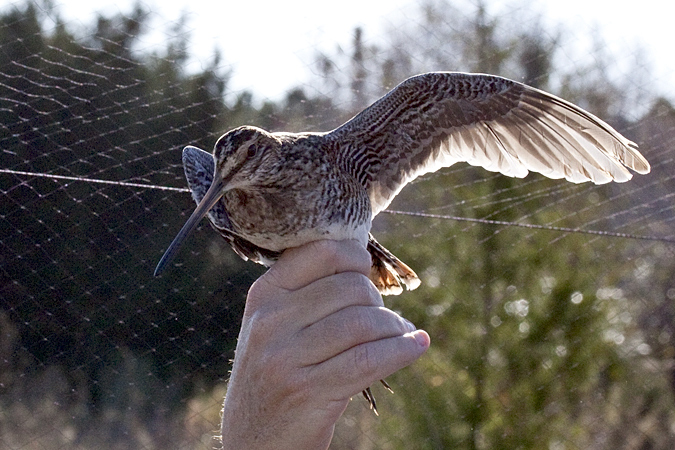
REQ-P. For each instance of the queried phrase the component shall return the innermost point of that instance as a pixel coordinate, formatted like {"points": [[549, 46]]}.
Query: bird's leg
{"points": [[368, 394], [386, 386], [371, 400]]}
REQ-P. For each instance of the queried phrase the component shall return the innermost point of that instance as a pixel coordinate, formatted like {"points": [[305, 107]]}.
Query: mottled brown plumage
{"points": [[281, 190], [266, 192]]}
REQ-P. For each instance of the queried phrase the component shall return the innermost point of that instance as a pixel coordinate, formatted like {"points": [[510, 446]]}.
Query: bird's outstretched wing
{"points": [[437, 119]]}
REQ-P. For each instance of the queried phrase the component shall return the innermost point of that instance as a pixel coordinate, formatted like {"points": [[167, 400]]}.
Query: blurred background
{"points": [[543, 336]]}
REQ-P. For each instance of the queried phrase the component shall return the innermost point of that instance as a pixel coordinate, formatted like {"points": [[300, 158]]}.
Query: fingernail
{"points": [[422, 339]]}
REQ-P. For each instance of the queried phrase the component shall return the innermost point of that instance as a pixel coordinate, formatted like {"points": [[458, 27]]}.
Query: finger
{"points": [[329, 295], [297, 267], [347, 328], [359, 367], [295, 310]]}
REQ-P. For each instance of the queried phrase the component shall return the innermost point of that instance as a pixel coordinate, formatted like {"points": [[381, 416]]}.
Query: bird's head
{"points": [[243, 158]]}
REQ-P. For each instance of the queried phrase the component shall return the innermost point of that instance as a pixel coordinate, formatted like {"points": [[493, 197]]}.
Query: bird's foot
{"points": [[368, 394]]}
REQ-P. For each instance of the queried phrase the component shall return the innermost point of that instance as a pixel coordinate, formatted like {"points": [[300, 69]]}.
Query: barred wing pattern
{"points": [[437, 119]]}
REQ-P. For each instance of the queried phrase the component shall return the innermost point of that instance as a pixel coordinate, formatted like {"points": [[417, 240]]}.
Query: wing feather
{"points": [[437, 119]]}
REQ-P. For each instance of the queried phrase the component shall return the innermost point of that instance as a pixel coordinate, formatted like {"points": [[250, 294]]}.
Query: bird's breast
{"points": [[277, 218]]}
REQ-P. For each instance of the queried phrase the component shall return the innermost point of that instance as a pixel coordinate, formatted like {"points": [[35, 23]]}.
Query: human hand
{"points": [[314, 334]]}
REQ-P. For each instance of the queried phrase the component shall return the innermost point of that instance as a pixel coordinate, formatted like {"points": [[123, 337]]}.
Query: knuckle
{"points": [[363, 290], [263, 327], [263, 296], [256, 294], [326, 251], [342, 254], [362, 324], [365, 361], [273, 279]]}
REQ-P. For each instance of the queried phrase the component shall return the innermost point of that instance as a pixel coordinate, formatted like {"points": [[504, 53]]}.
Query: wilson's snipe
{"points": [[271, 191], [266, 192]]}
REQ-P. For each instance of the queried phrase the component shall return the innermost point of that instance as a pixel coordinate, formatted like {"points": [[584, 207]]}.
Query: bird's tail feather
{"points": [[388, 273]]}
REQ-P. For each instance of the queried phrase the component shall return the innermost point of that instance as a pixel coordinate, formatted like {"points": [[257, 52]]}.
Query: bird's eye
{"points": [[252, 151]]}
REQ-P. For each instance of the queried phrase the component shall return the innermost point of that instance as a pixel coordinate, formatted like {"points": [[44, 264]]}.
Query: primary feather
{"points": [[437, 119]]}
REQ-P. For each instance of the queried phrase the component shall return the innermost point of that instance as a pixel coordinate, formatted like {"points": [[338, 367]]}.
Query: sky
{"points": [[270, 44]]}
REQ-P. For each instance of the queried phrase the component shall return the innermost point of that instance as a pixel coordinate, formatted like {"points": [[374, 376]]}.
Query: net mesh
{"points": [[544, 336]]}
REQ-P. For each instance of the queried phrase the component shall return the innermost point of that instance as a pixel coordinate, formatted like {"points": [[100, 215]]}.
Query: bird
{"points": [[265, 192]]}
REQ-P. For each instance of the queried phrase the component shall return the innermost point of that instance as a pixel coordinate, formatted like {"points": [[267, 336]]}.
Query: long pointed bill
{"points": [[211, 197]]}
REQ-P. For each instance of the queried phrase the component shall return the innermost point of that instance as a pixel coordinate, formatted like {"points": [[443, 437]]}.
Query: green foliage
{"points": [[523, 352]]}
